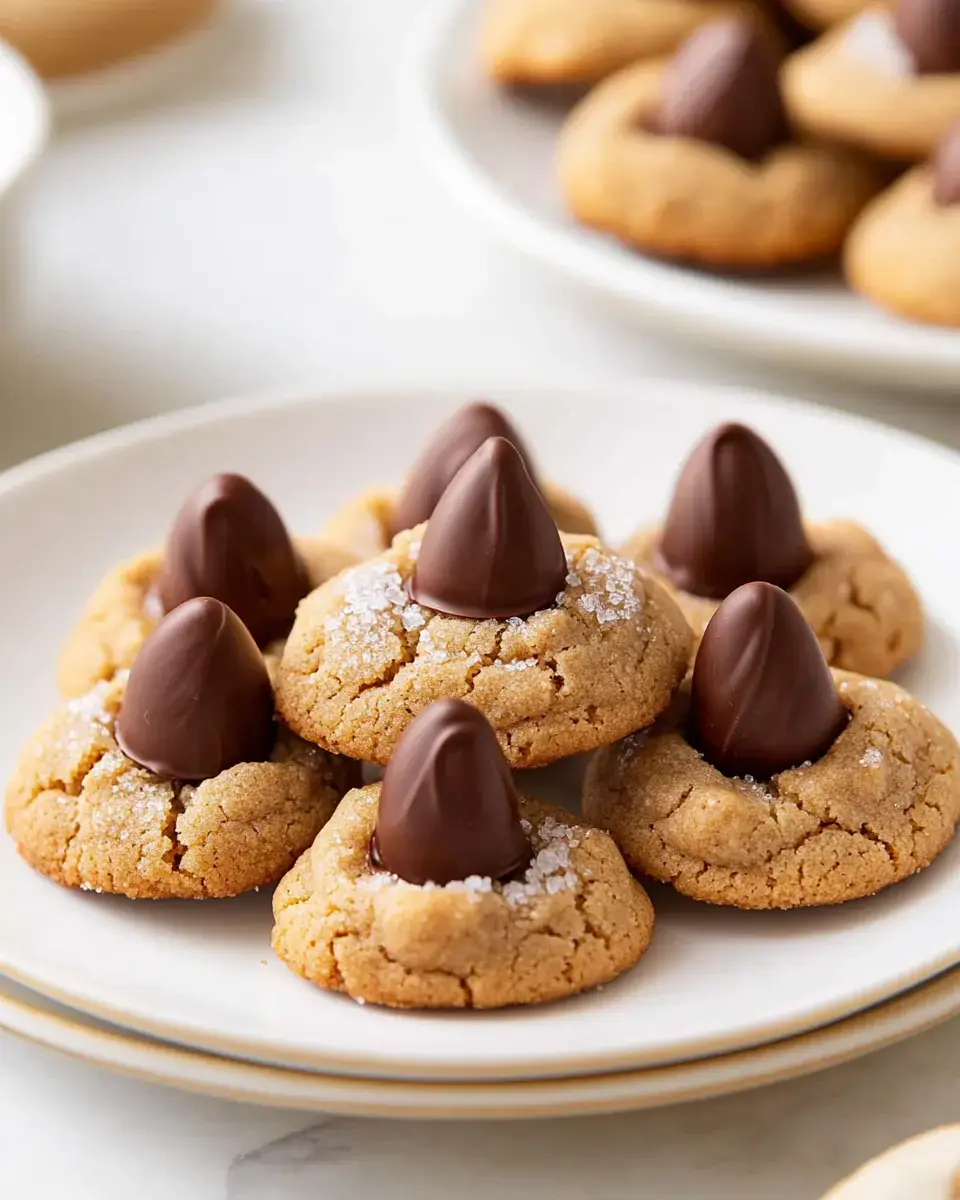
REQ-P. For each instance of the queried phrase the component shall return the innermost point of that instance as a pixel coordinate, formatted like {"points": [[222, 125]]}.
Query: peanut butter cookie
{"points": [[441, 888], [367, 525], [734, 518], [63, 38], [583, 41], [226, 800], [887, 82], [227, 542], [904, 251], [694, 160], [780, 788], [561, 644]]}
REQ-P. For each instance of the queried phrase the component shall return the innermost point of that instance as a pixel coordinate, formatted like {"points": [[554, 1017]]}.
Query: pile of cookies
{"points": [[757, 134], [725, 668]]}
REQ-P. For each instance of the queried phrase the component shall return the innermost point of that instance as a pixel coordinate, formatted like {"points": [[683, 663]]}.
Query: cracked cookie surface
{"points": [[880, 805], [87, 816], [364, 525], [118, 617], [363, 659], [574, 920], [860, 604]]}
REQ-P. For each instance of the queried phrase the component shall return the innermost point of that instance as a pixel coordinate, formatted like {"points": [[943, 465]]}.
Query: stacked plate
{"points": [[190, 993]]}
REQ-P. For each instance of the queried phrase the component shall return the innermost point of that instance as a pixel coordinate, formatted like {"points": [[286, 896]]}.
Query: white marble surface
{"points": [[269, 223]]}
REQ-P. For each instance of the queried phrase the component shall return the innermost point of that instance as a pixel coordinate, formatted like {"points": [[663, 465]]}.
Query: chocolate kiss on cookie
{"points": [[946, 169], [228, 541], [734, 518], [762, 698], [722, 87], [448, 807], [451, 446], [930, 30], [491, 548], [199, 698]]}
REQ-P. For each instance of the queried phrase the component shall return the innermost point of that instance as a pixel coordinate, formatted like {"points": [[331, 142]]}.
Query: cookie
{"points": [[502, 900], [560, 643], [904, 251], [734, 518], [574, 42], [63, 38], [227, 542], [367, 525], [926, 1167], [693, 160], [823, 817], [876, 84], [88, 815]]}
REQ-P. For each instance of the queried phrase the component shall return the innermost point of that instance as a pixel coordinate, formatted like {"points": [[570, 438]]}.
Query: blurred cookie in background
{"points": [[63, 39], [926, 1167]]}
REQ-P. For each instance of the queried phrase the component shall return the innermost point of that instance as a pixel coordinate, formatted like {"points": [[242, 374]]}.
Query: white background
{"points": [[268, 222]]}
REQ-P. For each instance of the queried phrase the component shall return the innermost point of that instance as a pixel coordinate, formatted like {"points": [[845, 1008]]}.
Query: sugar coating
{"points": [[574, 920], [823, 833], [364, 658], [550, 871], [87, 816]]}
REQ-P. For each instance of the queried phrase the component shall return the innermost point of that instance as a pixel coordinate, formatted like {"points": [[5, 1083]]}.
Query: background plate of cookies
{"points": [[341, 717], [576, 131]]}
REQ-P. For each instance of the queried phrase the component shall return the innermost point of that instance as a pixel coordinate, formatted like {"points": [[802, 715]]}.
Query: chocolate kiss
{"points": [[448, 807], [199, 698], [946, 169], [762, 697], [722, 87], [491, 548], [451, 446], [734, 518], [930, 30], [228, 541]]}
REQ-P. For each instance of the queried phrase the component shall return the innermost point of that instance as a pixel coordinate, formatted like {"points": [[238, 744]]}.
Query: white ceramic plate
{"points": [[24, 117], [203, 974], [495, 150], [30, 1016]]}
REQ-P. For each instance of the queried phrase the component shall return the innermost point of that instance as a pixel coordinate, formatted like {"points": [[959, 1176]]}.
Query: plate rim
{"points": [[559, 252], [112, 441], [124, 1052]]}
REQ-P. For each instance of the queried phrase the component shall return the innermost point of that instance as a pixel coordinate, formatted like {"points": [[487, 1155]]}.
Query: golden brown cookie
{"points": [[691, 200], [119, 615], [583, 41], [904, 252], [859, 603], [87, 816], [857, 85], [880, 805], [364, 525], [362, 659], [574, 920], [62, 38]]}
